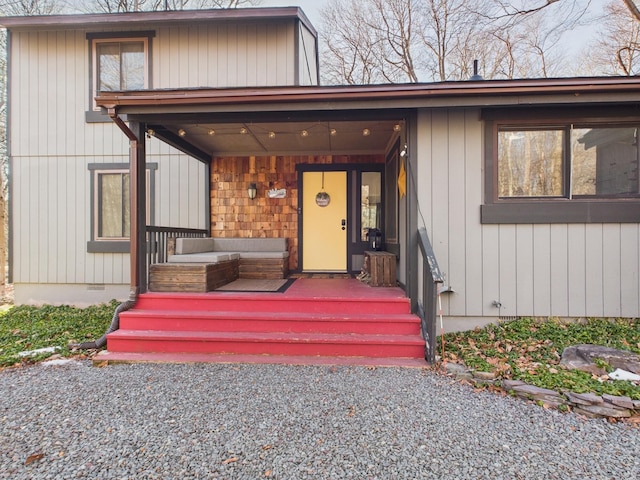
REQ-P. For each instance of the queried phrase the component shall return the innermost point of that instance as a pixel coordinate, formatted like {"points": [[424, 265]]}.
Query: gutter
{"points": [[574, 87]]}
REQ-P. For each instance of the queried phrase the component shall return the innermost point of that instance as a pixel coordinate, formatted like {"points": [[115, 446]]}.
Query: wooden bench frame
{"points": [[205, 277], [191, 277]]}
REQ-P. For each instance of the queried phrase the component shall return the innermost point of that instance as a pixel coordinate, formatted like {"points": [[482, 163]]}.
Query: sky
{"points": [[311, 8], [574, 41]]}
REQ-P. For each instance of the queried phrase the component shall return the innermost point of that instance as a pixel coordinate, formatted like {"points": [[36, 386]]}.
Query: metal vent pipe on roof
{"points": [[476, 75]]}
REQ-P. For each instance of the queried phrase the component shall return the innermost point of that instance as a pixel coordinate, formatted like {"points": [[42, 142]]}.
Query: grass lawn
{"points": [[26, 328], [529, 350]]}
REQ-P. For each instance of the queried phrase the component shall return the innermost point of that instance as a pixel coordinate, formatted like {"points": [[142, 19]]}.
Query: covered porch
{"points": [[266, 169]]}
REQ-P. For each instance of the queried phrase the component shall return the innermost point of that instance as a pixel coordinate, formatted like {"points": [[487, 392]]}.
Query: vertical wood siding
{"points": [[307, 65], [560, 270], [52, 215], [224, 55], [52, 145]]}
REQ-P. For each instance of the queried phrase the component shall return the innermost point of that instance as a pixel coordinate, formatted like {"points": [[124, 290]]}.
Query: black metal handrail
{"points": [[432, 276], [158, 241]]}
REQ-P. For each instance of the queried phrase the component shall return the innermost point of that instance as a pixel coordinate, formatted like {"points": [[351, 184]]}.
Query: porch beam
{"points": [[179, 143]]}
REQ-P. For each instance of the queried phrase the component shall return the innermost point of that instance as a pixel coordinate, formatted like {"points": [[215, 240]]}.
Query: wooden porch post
{"points": [[137, 214], [412, 212], [138, 217]]}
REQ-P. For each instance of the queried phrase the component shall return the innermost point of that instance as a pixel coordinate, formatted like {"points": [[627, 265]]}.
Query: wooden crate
{"points": [[191, 277], [268, 268], [381, 267]]}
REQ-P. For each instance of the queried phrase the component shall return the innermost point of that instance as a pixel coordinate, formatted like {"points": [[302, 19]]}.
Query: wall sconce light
{"points": [[397, 127], [366, 132], [333, 132], [182, 132], [211, 132], [304, 133], [252, 191], [243, 131], [272, 135]]}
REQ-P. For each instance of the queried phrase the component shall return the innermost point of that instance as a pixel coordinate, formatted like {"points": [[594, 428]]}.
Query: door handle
{"points": [[344, 224]]}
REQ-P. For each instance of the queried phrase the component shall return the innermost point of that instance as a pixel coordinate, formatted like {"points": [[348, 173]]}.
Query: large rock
{"points": [[582, 357]]}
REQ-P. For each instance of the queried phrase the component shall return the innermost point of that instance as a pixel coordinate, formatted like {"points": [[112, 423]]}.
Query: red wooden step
{"points": [[312, 319], [257, 343], [257, 321], [271, 302]]}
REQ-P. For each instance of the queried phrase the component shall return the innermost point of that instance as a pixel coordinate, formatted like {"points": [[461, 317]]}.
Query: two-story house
{"points": [[528, 189]]}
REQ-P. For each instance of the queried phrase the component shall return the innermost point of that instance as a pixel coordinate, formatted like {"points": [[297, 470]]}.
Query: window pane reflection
{"points": [[370, 202], [605, 161], [530, 163]]}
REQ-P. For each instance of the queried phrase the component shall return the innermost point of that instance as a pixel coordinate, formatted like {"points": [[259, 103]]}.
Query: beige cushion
{"points": [[264, 254], [205, 257], [250, 244], [194, 245]]}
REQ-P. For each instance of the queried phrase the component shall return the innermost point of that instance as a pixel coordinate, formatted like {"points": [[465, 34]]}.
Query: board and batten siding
{"points": [[224, 55], [563, 270], [52, 145], [50, 76], [307, 65], [51, 213]]}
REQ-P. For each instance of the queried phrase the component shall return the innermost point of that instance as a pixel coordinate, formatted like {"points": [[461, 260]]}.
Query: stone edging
{"points": [[587, 404]]}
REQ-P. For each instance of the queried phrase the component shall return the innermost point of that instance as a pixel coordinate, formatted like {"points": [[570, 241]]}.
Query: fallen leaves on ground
{"points": [[33, 458], [530, 349]]}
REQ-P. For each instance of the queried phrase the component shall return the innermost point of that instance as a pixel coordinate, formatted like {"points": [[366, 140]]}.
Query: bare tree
{"points": [[514, 9], [29, 7], [617, 52], [444, 25], [120, 6], [362, 46], [433, 40]]}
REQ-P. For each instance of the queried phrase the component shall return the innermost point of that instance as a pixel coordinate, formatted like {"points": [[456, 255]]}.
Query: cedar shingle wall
{"points": [[234, 215]]}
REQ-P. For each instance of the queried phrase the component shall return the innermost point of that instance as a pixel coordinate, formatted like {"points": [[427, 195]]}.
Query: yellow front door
{"points": [[324, 228]]}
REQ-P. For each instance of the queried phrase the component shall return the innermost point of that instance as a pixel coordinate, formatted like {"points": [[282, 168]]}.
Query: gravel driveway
{"points": [[289, 422]]}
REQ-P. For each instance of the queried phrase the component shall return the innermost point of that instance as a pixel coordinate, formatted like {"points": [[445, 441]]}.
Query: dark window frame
{"points": [[104, 245], [540, 210], [93, 114]]}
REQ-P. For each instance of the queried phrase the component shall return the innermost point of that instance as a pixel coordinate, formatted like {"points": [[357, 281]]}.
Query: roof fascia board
{"points": [[450, 102], [464, 93], [95, 20]]}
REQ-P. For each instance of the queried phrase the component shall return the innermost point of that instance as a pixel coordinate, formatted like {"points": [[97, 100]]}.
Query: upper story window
{"points": [[572, 165], [119, 63]]}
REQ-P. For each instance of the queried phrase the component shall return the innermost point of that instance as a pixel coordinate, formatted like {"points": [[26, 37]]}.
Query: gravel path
{"points": [[288, 422]]}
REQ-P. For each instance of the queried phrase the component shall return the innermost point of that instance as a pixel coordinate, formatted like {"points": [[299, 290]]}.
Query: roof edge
{"points": [[574, 86], [157, 17]]}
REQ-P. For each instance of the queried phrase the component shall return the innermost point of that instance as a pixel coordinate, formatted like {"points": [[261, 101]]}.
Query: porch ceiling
{"points": [[283, 138]]}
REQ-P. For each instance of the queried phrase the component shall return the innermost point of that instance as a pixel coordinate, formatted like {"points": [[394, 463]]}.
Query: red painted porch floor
{"points": [[305, 325]]}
